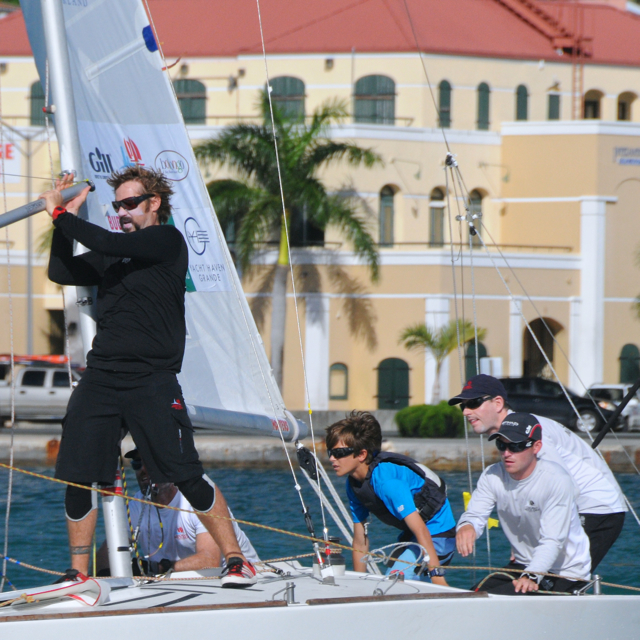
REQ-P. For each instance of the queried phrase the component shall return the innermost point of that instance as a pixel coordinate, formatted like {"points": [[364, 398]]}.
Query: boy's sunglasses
{"points": [[129, 204], [340, 452], [136, 464], [514, 447], [475, 403]]}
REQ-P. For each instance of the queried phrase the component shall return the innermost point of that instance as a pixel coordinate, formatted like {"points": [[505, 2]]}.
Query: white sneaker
{"points": [[238, 574]]}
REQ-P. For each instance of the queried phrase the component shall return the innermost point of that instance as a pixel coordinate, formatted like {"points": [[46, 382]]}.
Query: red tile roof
{"points": [[525, 29]]}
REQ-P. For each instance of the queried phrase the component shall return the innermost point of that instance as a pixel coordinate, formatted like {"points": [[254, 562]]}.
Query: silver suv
{"points": [[609, 396]]}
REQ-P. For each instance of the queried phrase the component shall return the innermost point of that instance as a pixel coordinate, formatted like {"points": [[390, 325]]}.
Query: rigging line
{"points": [[240, 298], [46, 122], [293, 281], [475, 337], [23, 175], [426, 75], [12, 366], [447, 169], [332, 512]]}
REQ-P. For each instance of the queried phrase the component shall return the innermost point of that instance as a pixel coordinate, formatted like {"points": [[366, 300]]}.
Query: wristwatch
{"points": [[437, 572], [531, 576]]}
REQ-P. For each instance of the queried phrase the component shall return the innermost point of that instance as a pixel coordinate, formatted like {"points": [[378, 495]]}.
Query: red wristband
{"points": [[58, 211]]}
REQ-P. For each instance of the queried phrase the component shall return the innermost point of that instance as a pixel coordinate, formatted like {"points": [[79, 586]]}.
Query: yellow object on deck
{"points": [[492, 522]]}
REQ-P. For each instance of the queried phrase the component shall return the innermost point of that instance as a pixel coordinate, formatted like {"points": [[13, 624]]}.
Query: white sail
{"points": [[128, 114]]}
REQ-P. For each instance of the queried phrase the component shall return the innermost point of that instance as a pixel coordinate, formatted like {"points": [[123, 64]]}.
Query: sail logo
{"points": [[174, 166], [281, 425], [197, 238], [101, 162], [131, 155]]}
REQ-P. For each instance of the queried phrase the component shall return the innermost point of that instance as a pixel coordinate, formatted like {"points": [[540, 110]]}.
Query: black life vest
{"points": [[429, 500]]}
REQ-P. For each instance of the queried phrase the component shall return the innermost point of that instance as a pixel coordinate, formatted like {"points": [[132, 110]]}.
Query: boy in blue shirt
{"points": [[397, 490]]}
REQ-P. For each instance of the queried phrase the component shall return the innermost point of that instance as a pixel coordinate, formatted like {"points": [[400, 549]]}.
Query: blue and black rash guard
{"points": [[396, 485], [141, 284]]}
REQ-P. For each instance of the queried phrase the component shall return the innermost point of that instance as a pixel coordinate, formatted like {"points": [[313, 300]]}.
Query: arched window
{"points": [[36, 97], [522, 103], [192, 98], [475, 208], [288, 94], [483, 106], [553, 106], [386, 216], [338, 382], [436, 218], [444, 104], [592, 104], [375, 100], [535, 363], [393, 384], [629, 364], [470, 368], [625, 100]]}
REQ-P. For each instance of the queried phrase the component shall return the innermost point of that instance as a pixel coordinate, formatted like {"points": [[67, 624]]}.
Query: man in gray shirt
{"points": [[535, 500]]}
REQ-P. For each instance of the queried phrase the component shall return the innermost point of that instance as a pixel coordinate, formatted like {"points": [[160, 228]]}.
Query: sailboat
{"points": [[114, 105]]}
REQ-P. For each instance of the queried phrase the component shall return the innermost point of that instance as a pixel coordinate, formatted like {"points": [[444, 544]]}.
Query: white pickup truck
{"points": [[41, 393]]}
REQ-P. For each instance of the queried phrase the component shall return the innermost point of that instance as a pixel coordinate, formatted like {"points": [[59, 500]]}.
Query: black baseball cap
{"points": [[479, 386], [134, 454], [518, 427]]}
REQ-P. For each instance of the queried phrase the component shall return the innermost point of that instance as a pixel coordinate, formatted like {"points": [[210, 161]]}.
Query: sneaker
{"points": [[238, 574]]}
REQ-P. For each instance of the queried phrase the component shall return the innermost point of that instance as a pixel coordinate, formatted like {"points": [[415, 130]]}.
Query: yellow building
{"points": [[538, 103]]}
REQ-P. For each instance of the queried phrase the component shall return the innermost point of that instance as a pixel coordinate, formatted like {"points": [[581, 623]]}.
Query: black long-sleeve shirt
{"points": [[141, 283]]}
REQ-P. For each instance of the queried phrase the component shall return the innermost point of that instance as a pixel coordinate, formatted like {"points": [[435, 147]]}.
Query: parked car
{"points": [[41, 393], [546, 398], [609, 396]]}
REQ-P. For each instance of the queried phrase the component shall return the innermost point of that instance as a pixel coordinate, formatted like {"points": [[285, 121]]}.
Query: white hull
{"points": [[199, 609]]}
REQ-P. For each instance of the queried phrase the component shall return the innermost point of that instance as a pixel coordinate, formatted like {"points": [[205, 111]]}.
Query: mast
{"points": [[71, 160], [67, 133]]}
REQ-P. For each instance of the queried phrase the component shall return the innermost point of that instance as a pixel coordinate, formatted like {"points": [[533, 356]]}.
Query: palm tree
{"points": [[250, 209], [439, 343]]}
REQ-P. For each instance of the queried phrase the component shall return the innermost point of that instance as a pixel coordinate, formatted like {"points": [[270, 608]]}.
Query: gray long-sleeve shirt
{"points": [[538, 516]]}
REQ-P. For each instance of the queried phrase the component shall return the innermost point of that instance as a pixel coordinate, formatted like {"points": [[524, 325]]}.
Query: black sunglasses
{"points": [[514, 447], [475, 403], [131, 203], [136, 464], [340, 452]]}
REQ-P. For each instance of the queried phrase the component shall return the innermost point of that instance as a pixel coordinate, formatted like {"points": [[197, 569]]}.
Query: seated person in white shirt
{"points": [[601, 504], [535, 500], [167, 539]]}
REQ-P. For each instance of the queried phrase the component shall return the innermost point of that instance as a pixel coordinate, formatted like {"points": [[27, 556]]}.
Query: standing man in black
{"points": [[130, 382]]}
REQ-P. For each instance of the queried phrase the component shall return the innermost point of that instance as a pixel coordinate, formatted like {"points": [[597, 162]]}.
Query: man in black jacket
{"points": [[130, 383]]}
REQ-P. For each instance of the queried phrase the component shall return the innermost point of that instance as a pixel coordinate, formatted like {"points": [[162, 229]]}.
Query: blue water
{"points": [[266, 495]]}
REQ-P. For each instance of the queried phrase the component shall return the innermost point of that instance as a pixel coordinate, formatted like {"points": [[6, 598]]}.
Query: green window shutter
{"points": [[192, 98], [37, 116], [483, 106], [436, 218], [338, 382], [475, 207], [444, 104], [393, 384], [288, 94], [470, 358], [387, 214], [629, 364], [522, 103], [553, 111], [374, 100]]}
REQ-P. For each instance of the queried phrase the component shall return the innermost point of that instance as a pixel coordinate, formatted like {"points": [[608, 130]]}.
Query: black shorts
{"points": [[105, 406]]}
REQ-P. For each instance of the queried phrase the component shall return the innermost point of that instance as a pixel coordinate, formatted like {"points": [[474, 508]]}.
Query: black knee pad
{"points": [[200, 492], [78, 503]]}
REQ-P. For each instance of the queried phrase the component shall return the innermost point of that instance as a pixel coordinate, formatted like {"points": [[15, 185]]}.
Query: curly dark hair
{"points": [[359, 430], [153, 182]]}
